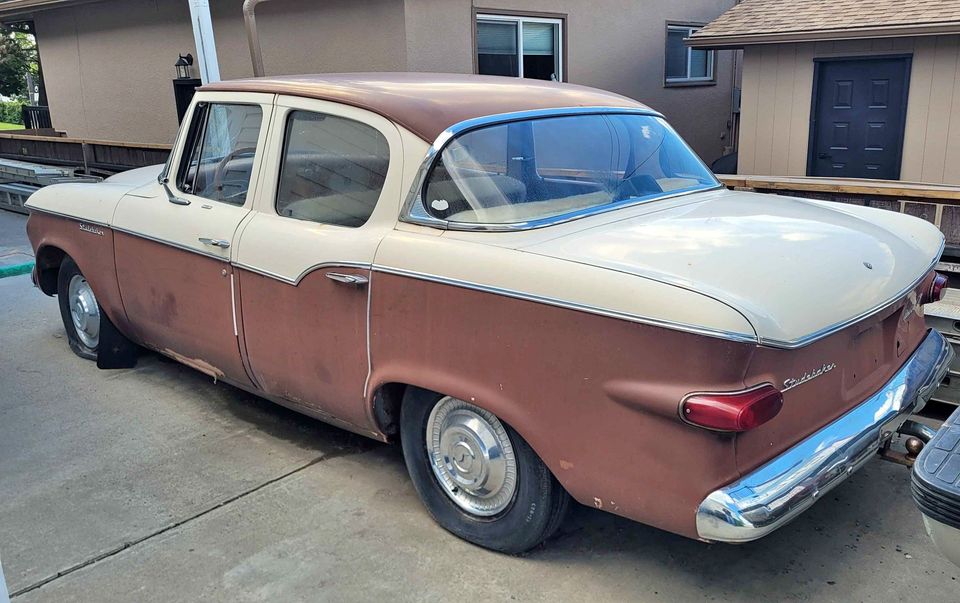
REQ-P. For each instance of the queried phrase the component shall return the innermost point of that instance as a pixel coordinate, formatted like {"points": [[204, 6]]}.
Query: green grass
{"points": [[6, 126]]}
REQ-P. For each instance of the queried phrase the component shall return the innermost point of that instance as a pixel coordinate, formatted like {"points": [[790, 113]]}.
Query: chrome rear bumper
{"points": [[778, 491]]}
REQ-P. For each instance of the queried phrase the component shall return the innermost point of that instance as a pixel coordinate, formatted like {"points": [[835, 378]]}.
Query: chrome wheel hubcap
{"points": [[84, 311], [472, 457]]}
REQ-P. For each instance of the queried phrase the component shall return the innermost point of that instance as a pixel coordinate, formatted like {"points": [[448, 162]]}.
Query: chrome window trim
{"points": [[552, 301], [415, 212]]}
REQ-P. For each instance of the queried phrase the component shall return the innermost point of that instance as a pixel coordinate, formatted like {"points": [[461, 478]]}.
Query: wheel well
{"points": [[48, 260], [386, 407]]}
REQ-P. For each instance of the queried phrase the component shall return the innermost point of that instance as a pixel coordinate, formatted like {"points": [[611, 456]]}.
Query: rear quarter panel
{"points": [[595, 396]]}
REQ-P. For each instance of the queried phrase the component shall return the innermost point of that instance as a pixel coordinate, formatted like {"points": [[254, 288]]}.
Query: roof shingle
{"points": [[772, 18]]}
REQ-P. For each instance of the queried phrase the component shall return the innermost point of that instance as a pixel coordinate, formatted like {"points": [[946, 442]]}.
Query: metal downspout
{"points": [[253, 38]]}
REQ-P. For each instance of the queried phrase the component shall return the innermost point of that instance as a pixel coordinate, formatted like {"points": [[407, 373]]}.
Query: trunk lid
{"points": [[793, 267]]}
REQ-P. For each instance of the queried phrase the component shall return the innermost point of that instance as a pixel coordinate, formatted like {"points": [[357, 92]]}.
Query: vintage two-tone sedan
{"points": [[537, 288]]}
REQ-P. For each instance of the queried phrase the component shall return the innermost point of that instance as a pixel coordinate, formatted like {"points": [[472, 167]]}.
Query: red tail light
{"points": [[739, 411], [936, 291]]}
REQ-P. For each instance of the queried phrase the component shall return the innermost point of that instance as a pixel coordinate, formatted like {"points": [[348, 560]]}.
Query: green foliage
{"points": [[18, 57], [10, 112]]}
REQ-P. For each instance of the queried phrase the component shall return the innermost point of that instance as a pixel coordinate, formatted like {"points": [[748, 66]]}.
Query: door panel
{"points": [[330, 193], [180, 303], [174, 247], [858, 118], [307, 342]]}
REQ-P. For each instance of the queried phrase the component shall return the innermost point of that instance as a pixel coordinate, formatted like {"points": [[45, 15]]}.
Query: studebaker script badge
{"points": [[793, 382], [91, 229]]}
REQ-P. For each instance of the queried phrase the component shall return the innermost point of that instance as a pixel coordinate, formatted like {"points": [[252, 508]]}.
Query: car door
{"points": [[330, 191], [174, 241]]}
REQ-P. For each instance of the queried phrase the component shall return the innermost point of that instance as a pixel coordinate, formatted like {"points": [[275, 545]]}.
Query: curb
{"points": [[16, 269]]}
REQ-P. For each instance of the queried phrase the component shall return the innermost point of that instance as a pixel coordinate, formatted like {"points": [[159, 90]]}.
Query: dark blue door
{"points": [[858, 117]]}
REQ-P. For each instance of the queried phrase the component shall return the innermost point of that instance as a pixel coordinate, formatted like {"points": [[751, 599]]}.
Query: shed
{"points": [[846, 88]]}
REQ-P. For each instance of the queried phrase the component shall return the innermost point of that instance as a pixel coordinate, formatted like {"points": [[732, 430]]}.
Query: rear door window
{"points": [[333, 169]]}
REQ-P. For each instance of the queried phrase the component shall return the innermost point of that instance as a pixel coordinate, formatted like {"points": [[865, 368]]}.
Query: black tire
{"points": [[69, 269], [539, 502]]}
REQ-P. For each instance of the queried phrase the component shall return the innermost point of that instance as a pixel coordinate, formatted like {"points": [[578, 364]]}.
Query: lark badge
{"points": [[808, 376], [91, 229]]}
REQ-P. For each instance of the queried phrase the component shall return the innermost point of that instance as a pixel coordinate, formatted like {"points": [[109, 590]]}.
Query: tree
{"points": [[18, 57]]}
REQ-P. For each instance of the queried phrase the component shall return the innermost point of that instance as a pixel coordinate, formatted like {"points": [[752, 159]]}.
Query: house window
{"points": [[520, 47], [685, 65]]}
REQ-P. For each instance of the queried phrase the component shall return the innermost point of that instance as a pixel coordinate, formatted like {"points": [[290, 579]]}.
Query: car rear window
{"points": [[537, 169]]}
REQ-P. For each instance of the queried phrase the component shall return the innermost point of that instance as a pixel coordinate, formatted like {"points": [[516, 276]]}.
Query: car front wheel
{"points": [[477, 477], [79, 310]]}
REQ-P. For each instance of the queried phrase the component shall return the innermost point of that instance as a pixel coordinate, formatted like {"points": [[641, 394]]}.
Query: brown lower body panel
{"points": [[596, 397]]}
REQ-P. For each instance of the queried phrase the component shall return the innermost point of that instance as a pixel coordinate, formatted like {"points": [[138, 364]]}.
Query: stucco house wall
{"points": [[108, 64], [778, 84]]}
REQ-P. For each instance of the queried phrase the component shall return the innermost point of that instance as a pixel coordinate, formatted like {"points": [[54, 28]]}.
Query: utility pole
{"points": [[203, 37]]}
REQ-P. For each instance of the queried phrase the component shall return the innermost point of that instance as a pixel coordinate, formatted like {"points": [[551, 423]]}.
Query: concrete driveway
{"points": [[154, 484]]}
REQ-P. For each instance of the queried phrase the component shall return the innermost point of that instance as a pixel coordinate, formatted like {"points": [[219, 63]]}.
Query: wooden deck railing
{"points": [[100, 157], [938, 204]]}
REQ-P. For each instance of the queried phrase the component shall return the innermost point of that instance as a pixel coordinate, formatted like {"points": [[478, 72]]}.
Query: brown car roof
{"points": [[429, 103]]}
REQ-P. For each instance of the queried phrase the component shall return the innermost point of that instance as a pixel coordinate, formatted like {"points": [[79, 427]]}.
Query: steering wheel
{"points": [[222, 166]]}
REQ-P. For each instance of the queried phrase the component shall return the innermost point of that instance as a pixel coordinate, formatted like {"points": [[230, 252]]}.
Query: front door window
{"points": [[220, 152]]}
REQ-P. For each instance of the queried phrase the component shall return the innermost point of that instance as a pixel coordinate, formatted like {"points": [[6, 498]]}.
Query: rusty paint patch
{"points": [[196, 364]]}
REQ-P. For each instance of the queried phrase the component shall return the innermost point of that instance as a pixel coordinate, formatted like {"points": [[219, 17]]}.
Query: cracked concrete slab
{"points": [[91, 459], [219, 493]]}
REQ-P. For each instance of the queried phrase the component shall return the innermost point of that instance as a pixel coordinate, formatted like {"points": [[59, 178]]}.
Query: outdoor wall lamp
{"points": [[183, 65]]}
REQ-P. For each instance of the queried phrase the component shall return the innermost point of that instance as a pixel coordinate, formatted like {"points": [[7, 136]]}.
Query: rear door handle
{"points": [[215, 242], [348, 279]]}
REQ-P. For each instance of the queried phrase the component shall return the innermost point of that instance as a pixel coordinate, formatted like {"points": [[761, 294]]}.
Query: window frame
{"points": [[691, 28], [196, 132], [286, 118], [520, 18]]}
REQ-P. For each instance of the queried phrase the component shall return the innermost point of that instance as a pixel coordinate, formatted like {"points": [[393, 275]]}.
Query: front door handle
{"points": [[215, 242], [824, 156], [348, 279]]}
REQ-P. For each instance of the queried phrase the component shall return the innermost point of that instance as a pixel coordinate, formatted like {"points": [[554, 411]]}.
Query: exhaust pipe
{"points": [[253, 38]]}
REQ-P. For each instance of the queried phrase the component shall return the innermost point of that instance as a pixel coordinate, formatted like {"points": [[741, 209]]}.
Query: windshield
{"points": [[535, 169]]}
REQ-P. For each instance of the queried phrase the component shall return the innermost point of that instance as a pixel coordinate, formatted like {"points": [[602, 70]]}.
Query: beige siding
{"points": [[777, 100], [108, 64]]}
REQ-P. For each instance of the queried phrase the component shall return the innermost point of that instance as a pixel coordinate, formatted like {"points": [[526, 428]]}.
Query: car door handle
{"points": [[348, 279], [215, 242], [824, 156]]}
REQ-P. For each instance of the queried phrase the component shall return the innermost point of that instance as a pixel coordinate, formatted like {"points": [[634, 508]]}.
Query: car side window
{"points": [[218, 157], [332, 170]]}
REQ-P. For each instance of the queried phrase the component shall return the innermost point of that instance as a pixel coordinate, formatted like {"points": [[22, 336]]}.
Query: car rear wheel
{"points": [[477, 477], [79, 310]]}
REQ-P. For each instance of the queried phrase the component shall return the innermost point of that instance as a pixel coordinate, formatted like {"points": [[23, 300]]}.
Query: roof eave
{"points": [[707, 42], [24, 8]]}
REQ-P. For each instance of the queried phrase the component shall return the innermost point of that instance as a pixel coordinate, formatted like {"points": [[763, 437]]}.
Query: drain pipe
{"points": [[253, 38]]}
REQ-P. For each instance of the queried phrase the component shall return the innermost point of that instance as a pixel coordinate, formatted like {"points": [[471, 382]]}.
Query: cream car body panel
{"points": [[306, 244], [794, 268]]}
